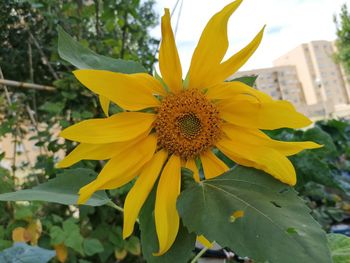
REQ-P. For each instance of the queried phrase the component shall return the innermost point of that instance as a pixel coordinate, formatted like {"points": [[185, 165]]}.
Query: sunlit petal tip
{"points": [[126, 233], [60, 165], [105, 102], [306, 122], [289, 177], [292, 180], [313, 145], [166, 12], [82, 199], [211, 48], [317, 146], [86, 192]]}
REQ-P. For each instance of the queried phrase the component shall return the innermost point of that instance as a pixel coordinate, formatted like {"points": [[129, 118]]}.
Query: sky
{"points": [[289, 23]]}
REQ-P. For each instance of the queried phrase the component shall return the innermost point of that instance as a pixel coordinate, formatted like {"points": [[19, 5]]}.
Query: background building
{"points": [[308, 77]]}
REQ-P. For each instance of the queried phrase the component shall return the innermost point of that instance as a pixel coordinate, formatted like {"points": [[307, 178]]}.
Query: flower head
{"points": [[183, 125]]}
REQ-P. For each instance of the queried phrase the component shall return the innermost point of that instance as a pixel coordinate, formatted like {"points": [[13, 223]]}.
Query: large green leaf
{"points": [[340, 248], [84, 58], [63, 189], [181, 251], [276, 226]]}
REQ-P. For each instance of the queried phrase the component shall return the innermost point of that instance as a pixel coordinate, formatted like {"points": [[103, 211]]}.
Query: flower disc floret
{"points": [[187, 123]]}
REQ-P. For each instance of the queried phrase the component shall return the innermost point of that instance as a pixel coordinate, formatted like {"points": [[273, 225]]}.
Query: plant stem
{"points": [[116, 207], [120, 209], [195, 259]]}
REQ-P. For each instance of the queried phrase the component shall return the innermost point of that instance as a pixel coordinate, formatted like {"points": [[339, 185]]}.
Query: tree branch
{"points": [[26, 85]]}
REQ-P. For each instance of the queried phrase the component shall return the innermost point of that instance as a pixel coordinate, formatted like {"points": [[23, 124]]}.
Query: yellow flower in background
{"points": [[182, 126]]}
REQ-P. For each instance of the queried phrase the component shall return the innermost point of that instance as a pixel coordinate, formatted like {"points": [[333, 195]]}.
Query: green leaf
{"points": [[73, 238], [63, 189], [316, 134], [311, 168], [75, 241], [132, 245], [181, 250], [270, 209], [84, 58], [57, 235], [92, 246], [249, 80], [23, 253], [23, 213], [5, 244], [2, 232], [53, 108], [340, 247]]}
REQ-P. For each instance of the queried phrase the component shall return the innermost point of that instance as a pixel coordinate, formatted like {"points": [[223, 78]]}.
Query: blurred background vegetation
{"points": [[119, 29]]}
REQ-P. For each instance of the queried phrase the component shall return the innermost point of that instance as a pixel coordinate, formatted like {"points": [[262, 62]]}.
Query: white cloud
{"points": [[289, 23]]}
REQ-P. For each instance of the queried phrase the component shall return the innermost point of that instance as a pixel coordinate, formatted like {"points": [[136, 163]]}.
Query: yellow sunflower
{"points": [[184, 122]]}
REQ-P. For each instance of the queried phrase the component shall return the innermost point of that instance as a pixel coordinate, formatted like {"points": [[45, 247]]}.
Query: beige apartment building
{"points": [[308, 77]]}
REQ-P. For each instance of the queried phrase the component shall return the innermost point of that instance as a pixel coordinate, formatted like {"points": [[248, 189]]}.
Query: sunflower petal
{"points": [[169, 61], [191, 164], [267, 159], [211, 47], [256, 137], [246, 111], [104, 104], [212, 165], [139, 192], [85, 151], [166, 217], [120, 127], [230, 66], [129, 91], [121, 169], [229, 90]]}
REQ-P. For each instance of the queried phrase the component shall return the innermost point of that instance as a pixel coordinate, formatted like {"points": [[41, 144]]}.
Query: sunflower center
{"points": [[187, 123]]}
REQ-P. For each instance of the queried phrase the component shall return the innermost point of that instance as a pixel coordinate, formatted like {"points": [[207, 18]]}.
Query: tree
{"points": [[343, 40], [28, 53]]}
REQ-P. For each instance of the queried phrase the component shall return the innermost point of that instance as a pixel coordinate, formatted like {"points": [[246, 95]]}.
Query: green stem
{"points": [[195, 259], [118, 208]]}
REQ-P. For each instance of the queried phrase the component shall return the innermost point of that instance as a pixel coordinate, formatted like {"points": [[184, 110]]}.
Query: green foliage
{"points": [[250, 81], [63, 189], [340, 248], [28, 52], [323, 174], [244, 208], [343, 38], [118, 29], [92, 246], [83, 58]]}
